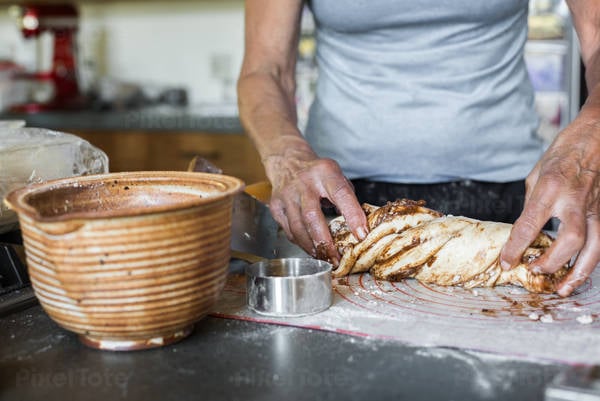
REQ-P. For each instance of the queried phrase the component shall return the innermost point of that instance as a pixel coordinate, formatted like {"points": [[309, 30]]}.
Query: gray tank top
{"points": [[420, 91]]}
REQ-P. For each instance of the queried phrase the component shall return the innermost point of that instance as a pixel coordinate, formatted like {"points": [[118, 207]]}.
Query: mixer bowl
{"points": [[128, 260]]}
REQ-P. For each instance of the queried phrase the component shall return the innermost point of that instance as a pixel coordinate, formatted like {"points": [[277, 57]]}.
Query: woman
{"points": [[422, 99]]}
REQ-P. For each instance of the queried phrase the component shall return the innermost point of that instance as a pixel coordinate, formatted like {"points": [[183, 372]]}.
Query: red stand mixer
{"points": [[62, 21]]}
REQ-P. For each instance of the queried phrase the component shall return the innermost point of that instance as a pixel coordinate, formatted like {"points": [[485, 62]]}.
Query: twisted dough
{"points": [[408, 240]]}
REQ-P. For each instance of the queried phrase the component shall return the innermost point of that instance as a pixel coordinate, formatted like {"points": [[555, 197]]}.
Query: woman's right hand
{"points": [[266, 99], [301, 180]]}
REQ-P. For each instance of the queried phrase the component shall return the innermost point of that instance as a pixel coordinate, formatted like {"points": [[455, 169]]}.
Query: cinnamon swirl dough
{"points": [[408, 240]]}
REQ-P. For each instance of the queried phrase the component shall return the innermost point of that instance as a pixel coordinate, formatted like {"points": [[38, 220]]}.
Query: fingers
{"points": [[296, 206], [586, 261], [570, 240], [304, 223], [300, 234], [342, 195], [531, 180], [318, 230], [278, 212], [578, 234], [537, 211]]}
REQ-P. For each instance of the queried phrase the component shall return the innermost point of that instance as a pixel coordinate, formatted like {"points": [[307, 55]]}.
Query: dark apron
{"points": [[477, 199]]}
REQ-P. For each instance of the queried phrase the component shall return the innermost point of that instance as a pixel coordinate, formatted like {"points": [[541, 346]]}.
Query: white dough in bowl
{"points": [[33, 155]]}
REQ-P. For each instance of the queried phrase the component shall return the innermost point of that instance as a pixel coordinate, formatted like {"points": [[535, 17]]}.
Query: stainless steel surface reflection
{"points": [[289, 287]]}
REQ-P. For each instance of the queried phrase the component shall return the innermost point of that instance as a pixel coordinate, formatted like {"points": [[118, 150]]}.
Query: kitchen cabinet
{"points": [[144, 150]]}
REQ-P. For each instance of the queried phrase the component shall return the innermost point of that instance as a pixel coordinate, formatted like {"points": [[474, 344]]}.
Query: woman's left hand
{"points": [[565, 184]]}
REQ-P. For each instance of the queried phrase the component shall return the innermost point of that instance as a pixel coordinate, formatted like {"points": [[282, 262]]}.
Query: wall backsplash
{"points": [[196, 45]]}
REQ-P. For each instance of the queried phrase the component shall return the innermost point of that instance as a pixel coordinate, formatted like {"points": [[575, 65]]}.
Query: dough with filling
{"points": [[408, 240]]}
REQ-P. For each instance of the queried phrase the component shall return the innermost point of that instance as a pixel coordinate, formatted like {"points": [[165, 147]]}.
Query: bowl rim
{"points": [[17, 199]]}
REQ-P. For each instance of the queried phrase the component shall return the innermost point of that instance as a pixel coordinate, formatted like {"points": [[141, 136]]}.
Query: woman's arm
{"points": [[266, 87], [565, 183], [266, 91]]}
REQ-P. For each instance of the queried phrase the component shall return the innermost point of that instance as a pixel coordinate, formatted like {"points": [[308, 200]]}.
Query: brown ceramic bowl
{"points": [[128, 260]]}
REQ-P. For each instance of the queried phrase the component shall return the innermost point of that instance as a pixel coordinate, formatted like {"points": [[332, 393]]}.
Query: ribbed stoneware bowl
{"points": [[128, 260]]}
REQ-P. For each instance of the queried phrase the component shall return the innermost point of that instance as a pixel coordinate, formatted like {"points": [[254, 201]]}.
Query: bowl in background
{"points": [[128, 260]]}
